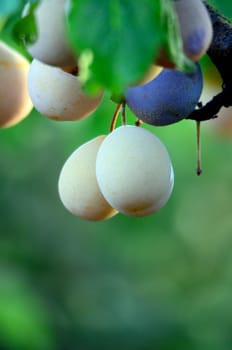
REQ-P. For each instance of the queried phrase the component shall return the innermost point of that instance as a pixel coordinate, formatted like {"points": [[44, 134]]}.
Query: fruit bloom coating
{"points": [[134, 171], [78, 187], [52, 46], [15, 103], [58, 94], [168, 98], [195, 27]]}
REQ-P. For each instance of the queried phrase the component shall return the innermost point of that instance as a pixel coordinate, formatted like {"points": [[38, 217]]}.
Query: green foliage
{"points": [[25, 29], [124, 40], [120, 30], [16, 29]]}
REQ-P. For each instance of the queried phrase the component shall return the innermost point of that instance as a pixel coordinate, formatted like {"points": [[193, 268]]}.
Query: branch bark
{"points": [[220, 53]]}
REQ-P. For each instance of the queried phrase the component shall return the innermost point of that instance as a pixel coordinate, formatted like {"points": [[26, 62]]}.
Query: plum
{"points": [[78, 187], [132, 179], [58, 94], [168, 98], [15, 103], [52, 46], [195, 27]]}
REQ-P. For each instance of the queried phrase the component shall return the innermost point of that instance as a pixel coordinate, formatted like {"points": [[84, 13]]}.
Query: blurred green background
{"points": [[157, 283]]}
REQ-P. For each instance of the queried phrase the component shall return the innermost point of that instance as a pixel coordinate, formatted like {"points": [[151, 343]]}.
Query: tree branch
{"points": [[220, 53]]}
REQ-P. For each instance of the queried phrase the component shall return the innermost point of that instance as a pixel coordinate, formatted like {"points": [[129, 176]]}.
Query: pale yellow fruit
{"points": [[195, 27], [52, 46], [15, 103], [134, 171], [78, 187], [58, 94]]}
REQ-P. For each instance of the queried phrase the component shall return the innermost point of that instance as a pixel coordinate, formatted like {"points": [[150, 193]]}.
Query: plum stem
{"points": [[138, 122], [124, 113], [199, 169], [115, 117]]}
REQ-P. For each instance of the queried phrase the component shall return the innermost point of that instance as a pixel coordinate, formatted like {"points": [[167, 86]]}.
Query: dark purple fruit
{"points": [[168, 98]]}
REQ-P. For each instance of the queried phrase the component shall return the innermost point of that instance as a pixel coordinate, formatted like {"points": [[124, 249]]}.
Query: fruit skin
{"points": [[78, 187], [195, 27], [51, 46], [15, 103], [58, 94], [168, 98], [134, 171]]}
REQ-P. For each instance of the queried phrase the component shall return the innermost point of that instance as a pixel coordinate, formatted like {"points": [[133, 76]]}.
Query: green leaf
{"points": [[20, 27], [123, 37], [25, 29]]}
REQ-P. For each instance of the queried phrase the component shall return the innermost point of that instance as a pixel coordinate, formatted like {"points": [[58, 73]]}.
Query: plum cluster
{"points": [[111, 173], [51, 83], [115, 173]]}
